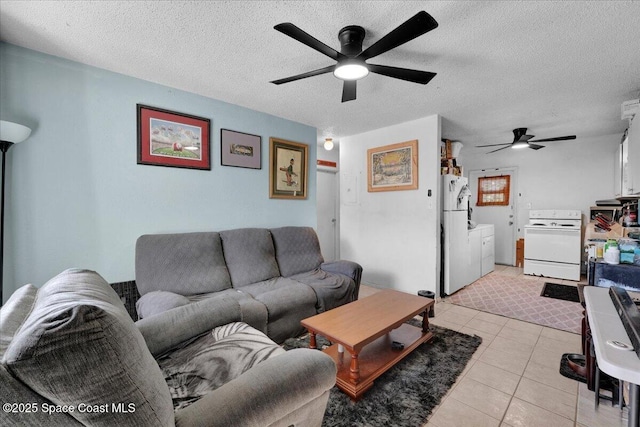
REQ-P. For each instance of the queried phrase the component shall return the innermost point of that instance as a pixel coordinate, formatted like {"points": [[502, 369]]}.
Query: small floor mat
{"points": [[563, 292]]}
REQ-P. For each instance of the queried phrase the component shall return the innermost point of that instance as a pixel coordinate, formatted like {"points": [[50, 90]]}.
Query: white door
{"points": [[327, 211], [502, 217]]}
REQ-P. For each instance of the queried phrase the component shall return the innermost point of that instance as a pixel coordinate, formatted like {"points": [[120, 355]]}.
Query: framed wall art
{"points": [[168, 138], [393, 167], [240, 149], [288, 169]]}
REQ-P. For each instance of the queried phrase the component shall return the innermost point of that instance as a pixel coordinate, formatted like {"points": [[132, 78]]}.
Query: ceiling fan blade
{"points": [[415, 26], [349, 90], [498, 149], [559, 138], [493, 145], [536, 146], [415, 76], [296, 33], [305, 75]]}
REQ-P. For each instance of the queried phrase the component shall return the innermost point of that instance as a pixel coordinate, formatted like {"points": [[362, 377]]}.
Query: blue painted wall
{"points": [[75, 195]]}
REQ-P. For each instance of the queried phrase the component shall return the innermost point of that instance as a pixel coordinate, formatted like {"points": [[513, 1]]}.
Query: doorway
{"points": [[327, 211], [503, 218]]}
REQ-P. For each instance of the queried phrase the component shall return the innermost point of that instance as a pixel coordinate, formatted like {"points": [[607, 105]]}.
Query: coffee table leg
{"points": [[312, 340], [425, 321], [354, 371]]}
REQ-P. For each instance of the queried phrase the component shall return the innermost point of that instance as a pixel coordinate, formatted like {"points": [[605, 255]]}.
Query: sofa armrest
{"points": [[169, 328], [347, 268], [270, 391]]}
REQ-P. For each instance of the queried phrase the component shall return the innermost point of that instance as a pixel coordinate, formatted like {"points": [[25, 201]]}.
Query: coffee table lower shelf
{"points": [[375, 358]]}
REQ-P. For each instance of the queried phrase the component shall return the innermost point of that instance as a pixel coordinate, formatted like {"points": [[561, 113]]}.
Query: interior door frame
{"points": [[336, 192], [514, 197]]}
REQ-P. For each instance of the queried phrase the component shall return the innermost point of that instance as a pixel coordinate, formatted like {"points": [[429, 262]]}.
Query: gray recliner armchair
{"points": [[71, 355]]}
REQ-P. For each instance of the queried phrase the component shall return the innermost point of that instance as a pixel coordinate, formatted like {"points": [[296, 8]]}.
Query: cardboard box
{"points": [[448, 150]]}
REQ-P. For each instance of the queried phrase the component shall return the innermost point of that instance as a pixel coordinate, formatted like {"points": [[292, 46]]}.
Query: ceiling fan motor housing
{"points": [[519, 133], [351, 38]]}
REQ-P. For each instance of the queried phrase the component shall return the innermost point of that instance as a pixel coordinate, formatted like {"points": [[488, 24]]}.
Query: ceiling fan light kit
{"points": [[351, 60], [519, 144], [351, 71]]}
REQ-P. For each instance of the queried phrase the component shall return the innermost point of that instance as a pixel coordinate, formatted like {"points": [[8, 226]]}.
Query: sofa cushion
{"points": [[250, 255], [158, 301], [332, 290], [79, 345], [185, 263], [297, 249], [14, 312], [287, 302], [213, 359]]}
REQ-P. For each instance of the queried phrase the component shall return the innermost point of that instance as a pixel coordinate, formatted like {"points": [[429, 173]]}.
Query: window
{"points": [[493, 191]]}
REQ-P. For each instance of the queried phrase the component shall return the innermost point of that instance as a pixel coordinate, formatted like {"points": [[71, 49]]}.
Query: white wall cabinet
{"points": [[630, 167], [617, 172]]}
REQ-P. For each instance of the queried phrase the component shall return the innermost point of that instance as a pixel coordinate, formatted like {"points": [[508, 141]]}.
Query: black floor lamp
{"points": [[10, 133]]}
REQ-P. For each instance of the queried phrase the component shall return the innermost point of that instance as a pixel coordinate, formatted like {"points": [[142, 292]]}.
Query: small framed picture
{"points": [[240, 149], [288, 169], [393, 167], [168, 138]]}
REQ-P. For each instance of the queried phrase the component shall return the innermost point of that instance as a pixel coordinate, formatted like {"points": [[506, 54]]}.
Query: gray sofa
{"points": [[274, 277], [71, 355]]}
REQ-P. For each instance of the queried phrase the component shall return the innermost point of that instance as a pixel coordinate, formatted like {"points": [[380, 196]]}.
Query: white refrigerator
{"points": [[455, 191]]}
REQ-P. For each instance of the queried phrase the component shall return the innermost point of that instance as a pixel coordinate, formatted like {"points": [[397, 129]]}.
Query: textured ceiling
{"points": [[557, 68]]}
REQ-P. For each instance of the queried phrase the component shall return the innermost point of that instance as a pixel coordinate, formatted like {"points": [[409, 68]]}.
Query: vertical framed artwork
{"points": [[240, 149], [288, 169], [393, 167], [168, 138]]}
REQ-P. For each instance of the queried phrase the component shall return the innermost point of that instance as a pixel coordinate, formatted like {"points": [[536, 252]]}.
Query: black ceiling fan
{"points": [[522, 140], [351, 64]]}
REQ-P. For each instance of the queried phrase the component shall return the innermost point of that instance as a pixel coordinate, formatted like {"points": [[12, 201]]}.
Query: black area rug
{"points": [[408, 392], [563, 292]]}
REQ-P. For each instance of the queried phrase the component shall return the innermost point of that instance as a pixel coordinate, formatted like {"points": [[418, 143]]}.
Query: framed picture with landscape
{"points": [[240, 149], [288, 169], [393, 167], [167, 138]]}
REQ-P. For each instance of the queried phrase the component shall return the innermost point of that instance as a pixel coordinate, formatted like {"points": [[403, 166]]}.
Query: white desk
{"points": [[606, 325]]}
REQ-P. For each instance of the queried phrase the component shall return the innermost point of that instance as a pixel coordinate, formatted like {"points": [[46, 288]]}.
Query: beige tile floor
{"points": [[513, 379]]}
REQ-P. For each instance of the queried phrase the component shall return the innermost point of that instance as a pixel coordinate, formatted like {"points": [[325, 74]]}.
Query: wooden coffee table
{"points": [[366, 328]]}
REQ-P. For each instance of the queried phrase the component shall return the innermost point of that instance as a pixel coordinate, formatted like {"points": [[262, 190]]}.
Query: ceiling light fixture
{"points": [[519, 144], [351, 70], [328, 144]]}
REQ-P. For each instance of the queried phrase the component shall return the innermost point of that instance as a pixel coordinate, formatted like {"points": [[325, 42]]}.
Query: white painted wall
{"points": [[394, 235], [563, 175]]}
